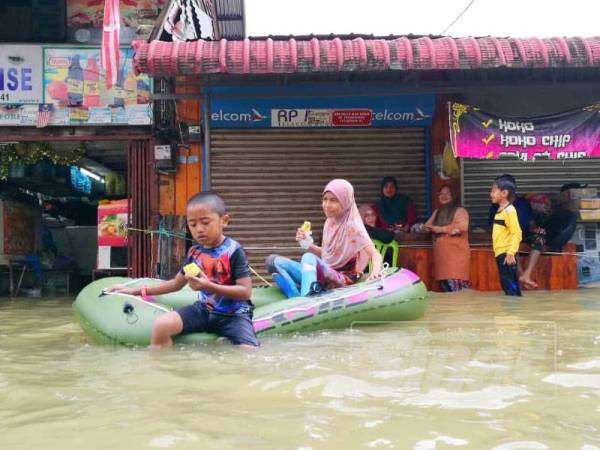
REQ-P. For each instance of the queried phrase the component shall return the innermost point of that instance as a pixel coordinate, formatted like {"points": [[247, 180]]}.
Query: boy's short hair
{"points": [[506, 183], [508, 176], [209, 199]]}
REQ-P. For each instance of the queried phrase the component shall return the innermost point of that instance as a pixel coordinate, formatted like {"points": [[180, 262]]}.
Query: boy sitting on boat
{"points": [[216, 267]]}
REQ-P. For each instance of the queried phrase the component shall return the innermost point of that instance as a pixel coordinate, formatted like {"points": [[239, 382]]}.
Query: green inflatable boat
{"points": [[127, 319]]}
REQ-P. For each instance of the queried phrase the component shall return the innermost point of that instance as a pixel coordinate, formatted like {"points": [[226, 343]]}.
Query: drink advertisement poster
{"points": [[74, 83]]}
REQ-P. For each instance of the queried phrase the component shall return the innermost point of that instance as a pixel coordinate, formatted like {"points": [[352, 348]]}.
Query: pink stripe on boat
{"points": [[260, 325], [356, 298], [411, 276], [304, 312]]}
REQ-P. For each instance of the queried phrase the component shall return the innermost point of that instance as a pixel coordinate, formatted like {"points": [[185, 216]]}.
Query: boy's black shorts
{"points": [[237, 328], [509, 276]]}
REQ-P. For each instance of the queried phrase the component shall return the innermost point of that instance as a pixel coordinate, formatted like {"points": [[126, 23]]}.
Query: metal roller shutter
{"points": [[532, 176], [272, 180]]}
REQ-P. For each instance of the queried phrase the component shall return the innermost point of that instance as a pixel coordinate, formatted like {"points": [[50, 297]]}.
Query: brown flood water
{"points": [[478, 371]]}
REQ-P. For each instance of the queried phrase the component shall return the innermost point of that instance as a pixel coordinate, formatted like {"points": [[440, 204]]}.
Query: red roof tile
{"points": [[352, 55]]}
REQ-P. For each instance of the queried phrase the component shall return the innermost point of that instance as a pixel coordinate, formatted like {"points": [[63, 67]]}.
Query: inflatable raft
{"points": [[127, 319]]}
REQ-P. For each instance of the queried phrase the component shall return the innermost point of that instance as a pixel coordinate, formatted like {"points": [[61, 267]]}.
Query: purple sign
{"points": [[570, 135]]}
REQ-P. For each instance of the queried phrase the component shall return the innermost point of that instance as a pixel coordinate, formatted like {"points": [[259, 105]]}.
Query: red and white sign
{"points": [[325, 118], [112, 223], [58, 62], [351, 117]]}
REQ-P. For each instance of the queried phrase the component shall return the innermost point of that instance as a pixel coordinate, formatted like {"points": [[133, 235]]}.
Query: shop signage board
{"points": [[570, 135], [134, 13], [306, 118], [71, 79], [18, 115], [75, 84], [297, 111], [20, 74]]}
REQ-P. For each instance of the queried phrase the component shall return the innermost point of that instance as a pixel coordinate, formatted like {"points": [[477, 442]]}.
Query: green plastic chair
{"points": [[384, 248]]}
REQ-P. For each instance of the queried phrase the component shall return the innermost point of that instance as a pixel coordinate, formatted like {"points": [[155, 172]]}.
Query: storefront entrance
{"points": [[65, 217], [272, 179]]}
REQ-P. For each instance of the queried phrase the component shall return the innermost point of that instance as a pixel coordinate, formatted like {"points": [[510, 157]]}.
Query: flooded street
{"points": [[478, 371]]}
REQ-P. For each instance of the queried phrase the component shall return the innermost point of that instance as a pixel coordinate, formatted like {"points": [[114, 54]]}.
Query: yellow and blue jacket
{"points": [[506, 231]]}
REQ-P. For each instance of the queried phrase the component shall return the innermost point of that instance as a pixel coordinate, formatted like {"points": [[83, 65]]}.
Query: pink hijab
{"points": [[345, 236]]}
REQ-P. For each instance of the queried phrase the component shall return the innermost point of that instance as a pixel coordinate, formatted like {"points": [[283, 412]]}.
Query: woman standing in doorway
{"points": [[394, 209], [449, 226]]}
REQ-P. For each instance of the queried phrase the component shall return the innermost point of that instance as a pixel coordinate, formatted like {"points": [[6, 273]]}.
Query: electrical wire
{"points": [[445, 30]]}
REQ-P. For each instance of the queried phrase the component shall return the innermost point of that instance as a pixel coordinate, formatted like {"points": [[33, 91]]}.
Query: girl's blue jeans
{"points": [[292, 274]]}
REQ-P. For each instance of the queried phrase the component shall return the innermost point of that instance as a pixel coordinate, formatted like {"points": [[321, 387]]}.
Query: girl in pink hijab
{"points": [[346, 250]]}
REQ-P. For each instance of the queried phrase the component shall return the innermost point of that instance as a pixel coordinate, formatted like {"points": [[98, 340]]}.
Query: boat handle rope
{"points": [[154, 305], [380, 286], [137, 280]]}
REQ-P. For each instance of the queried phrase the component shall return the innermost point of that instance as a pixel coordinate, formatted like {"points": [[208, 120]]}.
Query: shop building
{"points": [[79, 155], [281, 116], [70, 143]]}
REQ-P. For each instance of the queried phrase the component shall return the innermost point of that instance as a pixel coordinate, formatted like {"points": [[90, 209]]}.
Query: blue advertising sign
{"points": [[20, 74], [297, 111]]}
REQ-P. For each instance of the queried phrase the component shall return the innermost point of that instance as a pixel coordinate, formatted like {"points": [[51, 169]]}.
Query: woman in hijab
{"points": [[395, 210], [449, 226], [344, 255]]}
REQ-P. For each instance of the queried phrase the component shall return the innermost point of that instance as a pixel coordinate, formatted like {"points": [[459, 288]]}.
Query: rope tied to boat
{"points": [[162, 232], [259, 276]]}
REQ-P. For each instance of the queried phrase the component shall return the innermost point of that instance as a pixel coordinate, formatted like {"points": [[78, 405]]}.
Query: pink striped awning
{"points": [[266, 56]]}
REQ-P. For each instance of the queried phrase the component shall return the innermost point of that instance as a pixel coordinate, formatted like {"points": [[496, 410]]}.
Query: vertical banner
{"points": [[569, 135], [109, 57]]}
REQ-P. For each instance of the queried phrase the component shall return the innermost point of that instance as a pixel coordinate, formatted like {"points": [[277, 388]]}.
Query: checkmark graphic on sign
{"points": [[487, 140], [487, 123]]}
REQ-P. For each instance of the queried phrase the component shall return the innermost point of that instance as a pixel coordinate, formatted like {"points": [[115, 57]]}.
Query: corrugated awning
{"points": [[268, 56]]}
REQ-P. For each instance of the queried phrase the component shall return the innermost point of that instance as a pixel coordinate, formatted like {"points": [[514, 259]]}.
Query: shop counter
{"points": [[553, 271]]}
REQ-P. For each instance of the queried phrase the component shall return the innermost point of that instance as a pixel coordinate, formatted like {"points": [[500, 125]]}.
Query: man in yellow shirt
{"points": [[506, 234]]}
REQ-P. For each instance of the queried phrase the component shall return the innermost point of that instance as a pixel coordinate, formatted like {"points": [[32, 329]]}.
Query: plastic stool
{"points": [[384, 248]]}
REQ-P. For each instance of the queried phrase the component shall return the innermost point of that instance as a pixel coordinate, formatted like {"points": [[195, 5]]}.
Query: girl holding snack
{"points": [[341, 260]]}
